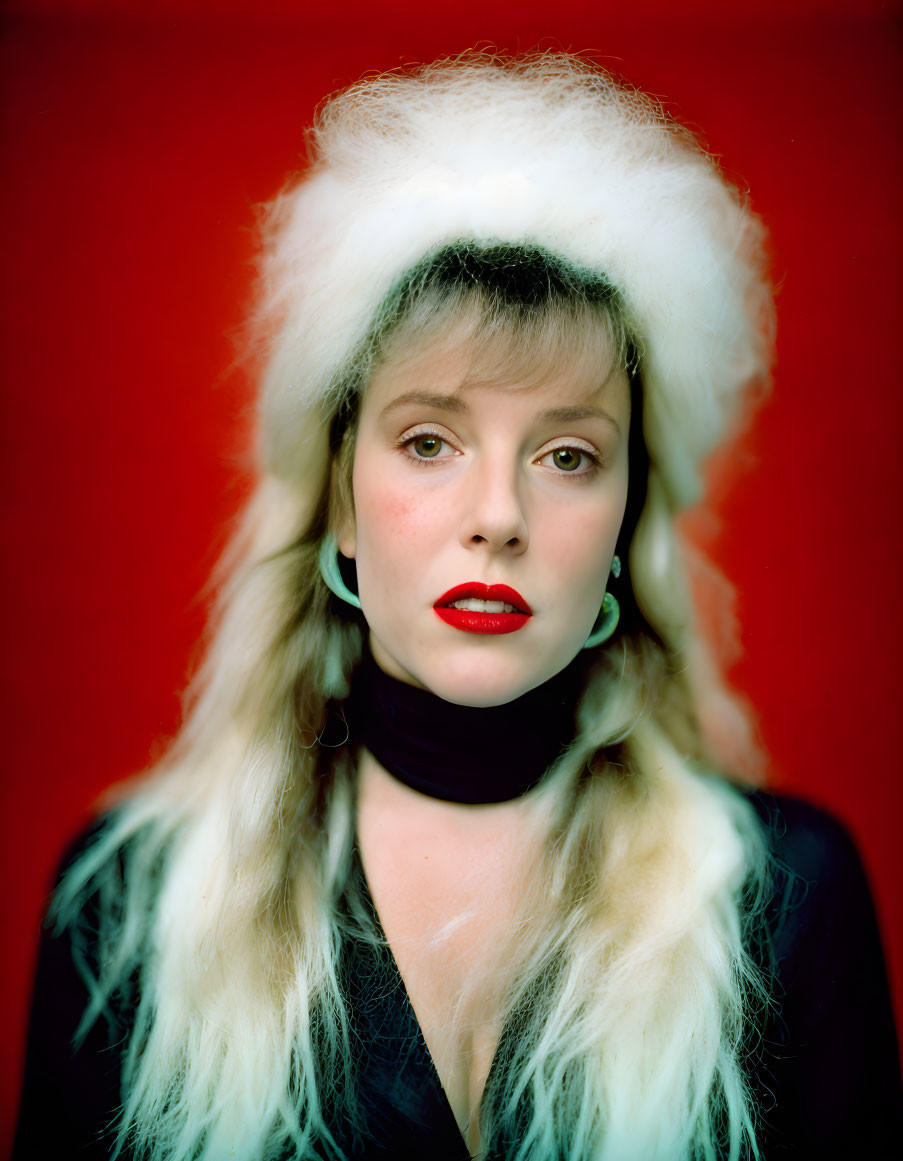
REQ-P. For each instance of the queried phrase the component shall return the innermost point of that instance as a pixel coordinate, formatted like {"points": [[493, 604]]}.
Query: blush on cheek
{"points": [[393, 541], [399, 510], [399, 517]]}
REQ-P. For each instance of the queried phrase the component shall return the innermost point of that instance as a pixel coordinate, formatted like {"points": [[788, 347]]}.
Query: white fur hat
{"points": [[549, 150]]}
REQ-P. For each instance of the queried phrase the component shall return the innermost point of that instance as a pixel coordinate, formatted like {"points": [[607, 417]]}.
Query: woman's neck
{"points": [[463, 754]]}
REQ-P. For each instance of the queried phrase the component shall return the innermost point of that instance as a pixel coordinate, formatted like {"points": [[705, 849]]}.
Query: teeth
{"points": [[474, 605]]}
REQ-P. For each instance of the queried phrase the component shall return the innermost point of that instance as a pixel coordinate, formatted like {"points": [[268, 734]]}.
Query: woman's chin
{"points": [[482, 685], [480, 698], [465, 675]]}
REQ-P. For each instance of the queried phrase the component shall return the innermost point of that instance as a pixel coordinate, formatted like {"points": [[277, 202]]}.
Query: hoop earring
{"points": [[606, 622], [328, 561], [609, 614]]}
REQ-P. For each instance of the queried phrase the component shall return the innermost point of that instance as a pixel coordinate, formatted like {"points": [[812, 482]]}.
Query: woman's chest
{"points": [[447, 950], [449, 898]]}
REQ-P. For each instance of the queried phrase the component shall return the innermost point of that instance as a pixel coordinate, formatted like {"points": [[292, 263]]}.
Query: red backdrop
{"points": [[138, 137]]}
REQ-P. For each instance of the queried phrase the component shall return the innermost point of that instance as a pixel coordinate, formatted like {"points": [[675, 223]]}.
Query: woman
{"points": [[439, 865]]}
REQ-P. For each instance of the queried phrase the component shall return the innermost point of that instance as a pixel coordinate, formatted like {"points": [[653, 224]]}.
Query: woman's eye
{"points": [[569, 459], [426, 446], [566, 458]]}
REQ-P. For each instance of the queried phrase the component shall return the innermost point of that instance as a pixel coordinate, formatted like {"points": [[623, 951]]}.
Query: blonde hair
{"points": [[220, 879]]}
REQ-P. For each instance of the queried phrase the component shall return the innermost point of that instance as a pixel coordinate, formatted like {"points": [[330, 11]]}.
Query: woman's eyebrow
{"points": [[427, 399], [576, 412], [454, 402]]}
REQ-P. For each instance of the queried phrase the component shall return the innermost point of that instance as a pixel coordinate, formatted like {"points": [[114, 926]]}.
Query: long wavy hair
{"points": [[211, 904]]}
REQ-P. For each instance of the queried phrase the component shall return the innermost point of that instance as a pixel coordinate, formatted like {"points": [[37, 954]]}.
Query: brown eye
{"points": [[566, 458], [427, 446]]}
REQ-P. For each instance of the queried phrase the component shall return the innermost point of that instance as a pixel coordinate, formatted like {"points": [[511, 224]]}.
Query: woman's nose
{"points": [[495, 513]]}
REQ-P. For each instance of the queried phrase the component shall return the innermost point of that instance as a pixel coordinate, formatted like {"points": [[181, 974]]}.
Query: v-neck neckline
{"points": [[396, 1003]]}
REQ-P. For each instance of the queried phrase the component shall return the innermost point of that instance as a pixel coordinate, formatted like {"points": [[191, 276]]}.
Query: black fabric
{"points": [[407, 1112], [463, 753], [826, 1070], [69, 1099]]}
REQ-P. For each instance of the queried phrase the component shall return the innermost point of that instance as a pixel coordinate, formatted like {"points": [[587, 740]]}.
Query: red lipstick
{"points": [[475, 620]]}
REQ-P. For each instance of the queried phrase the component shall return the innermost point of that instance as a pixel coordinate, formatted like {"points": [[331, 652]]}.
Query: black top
{"points": [[826, 1071]]}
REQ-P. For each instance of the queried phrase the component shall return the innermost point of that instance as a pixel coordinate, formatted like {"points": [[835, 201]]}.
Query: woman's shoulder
{"points": [[89, 882], [83, 841], [71, 1078], [820, 901], [814, 860], [79, 1022], [808, 840], [828, 1070]]}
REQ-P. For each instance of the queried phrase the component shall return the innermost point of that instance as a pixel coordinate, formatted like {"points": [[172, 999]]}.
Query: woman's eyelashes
{"points": [[425, 446], [571, 459]]}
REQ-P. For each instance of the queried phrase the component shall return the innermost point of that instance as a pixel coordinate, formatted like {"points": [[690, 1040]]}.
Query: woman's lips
{"points": [[479, 608]]}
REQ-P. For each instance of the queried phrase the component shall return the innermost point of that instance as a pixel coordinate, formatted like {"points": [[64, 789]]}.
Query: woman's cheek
{"points": [[401, 517], [395, 530]]}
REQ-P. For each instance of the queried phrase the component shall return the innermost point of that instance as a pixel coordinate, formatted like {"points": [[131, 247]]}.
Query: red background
{"points": [[137, 138]]}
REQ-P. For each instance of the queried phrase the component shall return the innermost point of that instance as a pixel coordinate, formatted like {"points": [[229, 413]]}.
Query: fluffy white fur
{"points": [[550, 151], [241, 1045]]}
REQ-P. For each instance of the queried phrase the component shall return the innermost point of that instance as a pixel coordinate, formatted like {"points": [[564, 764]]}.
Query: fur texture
{"points": [[547, 150]]}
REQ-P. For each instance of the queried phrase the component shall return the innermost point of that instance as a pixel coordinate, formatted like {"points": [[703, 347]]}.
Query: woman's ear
{"points": [[341, 501], [341, 497], [346, 535]]}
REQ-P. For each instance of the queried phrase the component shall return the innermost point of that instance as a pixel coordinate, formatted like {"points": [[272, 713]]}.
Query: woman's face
{"points": [[465, 483]]}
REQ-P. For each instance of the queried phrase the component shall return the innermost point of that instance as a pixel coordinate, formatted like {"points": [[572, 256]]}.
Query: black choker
{"points": [[462, 753]]}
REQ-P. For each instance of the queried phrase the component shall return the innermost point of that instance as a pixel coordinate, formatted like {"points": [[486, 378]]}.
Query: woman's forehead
{"points": [[575, 363]]}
